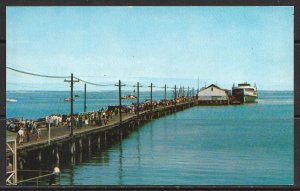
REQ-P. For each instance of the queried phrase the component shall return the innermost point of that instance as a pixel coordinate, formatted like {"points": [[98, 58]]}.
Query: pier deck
{"points": [[62, 133]]}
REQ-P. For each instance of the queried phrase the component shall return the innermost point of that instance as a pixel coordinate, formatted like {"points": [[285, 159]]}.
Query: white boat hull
{"points": [[11, 100]]}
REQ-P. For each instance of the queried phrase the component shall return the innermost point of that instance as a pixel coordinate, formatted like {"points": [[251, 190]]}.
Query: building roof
{"points": [[213, 85]]}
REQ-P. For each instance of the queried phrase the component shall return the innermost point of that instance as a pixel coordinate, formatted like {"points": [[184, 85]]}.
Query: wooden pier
{"points": [[62, 147]]}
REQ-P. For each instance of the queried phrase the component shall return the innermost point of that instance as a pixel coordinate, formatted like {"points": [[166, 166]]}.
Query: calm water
{"points": [[247, 144], [36, 104], [251, 144]]}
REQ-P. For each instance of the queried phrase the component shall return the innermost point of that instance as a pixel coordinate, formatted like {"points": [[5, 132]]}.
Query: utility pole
{"points": [[72, 105], [151, 86], [175, 95], [188, 92], [71, 100], [120, 110], [151, 95], [84, 108], [138, 98], [120, 102], [165, 92]]}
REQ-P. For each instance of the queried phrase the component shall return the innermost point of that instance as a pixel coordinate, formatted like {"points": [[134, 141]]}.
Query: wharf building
{"points": [[213, 95]]}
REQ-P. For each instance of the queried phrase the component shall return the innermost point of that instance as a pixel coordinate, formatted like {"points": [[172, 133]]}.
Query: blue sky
{"points": [[172, 45]]}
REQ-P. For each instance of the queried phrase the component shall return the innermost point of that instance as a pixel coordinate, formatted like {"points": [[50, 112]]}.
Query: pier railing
{"points": [[49, 178]]}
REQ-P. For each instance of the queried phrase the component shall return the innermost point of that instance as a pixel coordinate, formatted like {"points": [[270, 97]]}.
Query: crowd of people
{"points": [[25, 130], [28, 129]]}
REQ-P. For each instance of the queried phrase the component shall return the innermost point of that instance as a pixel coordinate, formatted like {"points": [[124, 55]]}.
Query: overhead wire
{"points": [[79, 79], [57, 77], [33, 74]]}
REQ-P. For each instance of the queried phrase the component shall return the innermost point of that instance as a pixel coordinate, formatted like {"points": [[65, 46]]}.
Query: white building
{"points": [[213, 95]]}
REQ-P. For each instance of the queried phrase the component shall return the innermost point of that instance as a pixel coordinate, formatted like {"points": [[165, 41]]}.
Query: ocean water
{"points": [[223, 145], [205, 145], [37, 104]]}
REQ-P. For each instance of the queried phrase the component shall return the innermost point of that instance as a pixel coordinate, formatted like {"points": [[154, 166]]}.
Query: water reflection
{"points": [[151, 137], [138, 147], [120, 170]]}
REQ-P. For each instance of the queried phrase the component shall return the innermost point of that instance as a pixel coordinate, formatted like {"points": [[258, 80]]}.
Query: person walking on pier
{"points": [[27, 135], [76, 122], [38, 133], [68, 120], [107, 117], [20, 135], [34, 129], [80, 121], [86, 121], [109, 114], [104, 118]]}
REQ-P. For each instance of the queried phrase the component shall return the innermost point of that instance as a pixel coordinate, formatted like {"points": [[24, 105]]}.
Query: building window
{"points": [[211, 89]]}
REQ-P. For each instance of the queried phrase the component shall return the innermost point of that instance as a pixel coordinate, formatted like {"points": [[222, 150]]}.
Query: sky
{"points": [[162, 45]]}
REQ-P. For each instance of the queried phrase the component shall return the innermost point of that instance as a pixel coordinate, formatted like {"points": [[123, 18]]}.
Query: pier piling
{"points": [[39, 157], [99, 142]]}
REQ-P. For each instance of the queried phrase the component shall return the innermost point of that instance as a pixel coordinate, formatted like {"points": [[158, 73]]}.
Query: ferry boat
{"points": [[11, 100], [244, 92]]}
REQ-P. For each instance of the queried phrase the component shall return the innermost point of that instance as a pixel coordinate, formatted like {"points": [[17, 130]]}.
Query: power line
{"points": [[59, 77], [63, 77], [39, 75]]}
